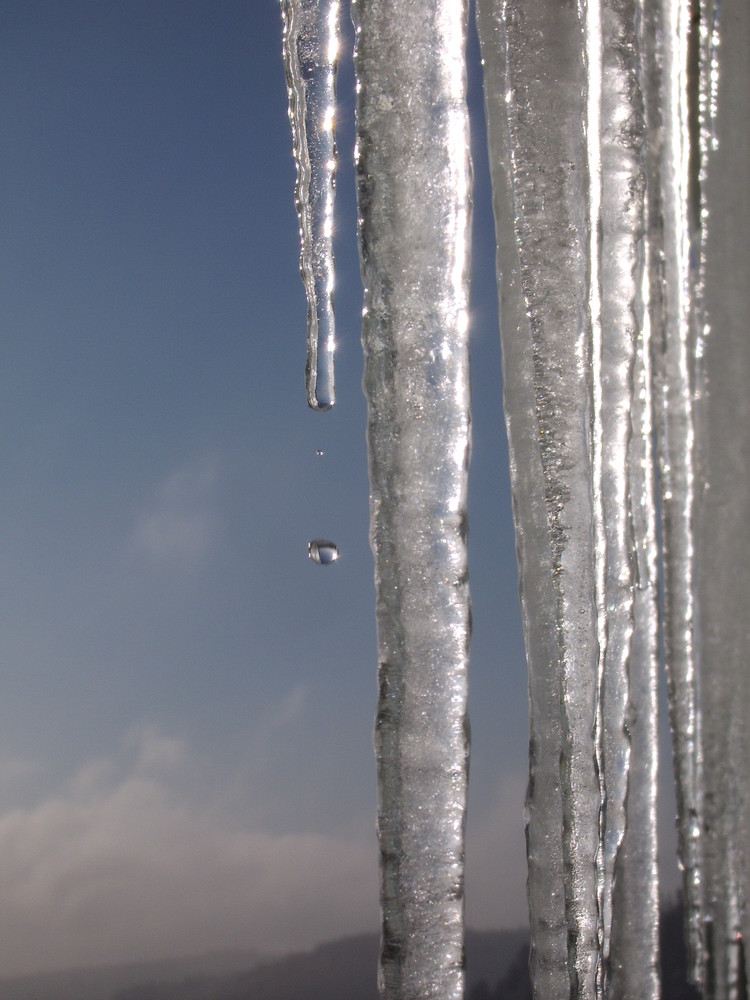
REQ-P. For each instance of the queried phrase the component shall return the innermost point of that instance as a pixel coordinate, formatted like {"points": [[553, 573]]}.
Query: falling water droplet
{"points": [[323, 552]]}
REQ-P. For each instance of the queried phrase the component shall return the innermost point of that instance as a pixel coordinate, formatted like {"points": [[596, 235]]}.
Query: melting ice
{"points": [[620, 169], [310, 35]]}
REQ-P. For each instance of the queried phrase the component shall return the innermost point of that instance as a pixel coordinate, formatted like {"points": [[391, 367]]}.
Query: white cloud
{"points": [[140, 855], [18, 772], [122, 863], [179, 524]]}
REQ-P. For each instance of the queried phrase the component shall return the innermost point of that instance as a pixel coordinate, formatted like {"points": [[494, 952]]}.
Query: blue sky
{"points": [[186, 701]]}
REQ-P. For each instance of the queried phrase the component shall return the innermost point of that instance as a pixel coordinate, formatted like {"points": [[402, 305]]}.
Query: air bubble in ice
{"points": [[322, 552]]}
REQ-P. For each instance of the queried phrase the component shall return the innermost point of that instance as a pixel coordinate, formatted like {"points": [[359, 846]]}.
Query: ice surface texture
{"points": [[620, 165], [310, 34], [699, 231], [620, 219], [671, 164], [536, 101], [566, 127], [413, 177], [721, 247]]}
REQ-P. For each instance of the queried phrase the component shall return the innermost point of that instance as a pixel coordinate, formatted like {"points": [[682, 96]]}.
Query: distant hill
{"points": [[103, 983], [497, 969], [340, 970], [515, 984]]}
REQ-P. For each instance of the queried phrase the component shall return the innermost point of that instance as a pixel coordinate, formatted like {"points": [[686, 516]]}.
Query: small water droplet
{"points": [[323, 552], [319, 452]]}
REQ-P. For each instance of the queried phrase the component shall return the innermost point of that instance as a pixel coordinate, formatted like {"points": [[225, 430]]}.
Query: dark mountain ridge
{"points": [[346, 969], [104, 982], [338, 970]]}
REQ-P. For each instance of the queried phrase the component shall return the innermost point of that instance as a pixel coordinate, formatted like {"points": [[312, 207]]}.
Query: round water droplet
{"points": [[322, 552]]}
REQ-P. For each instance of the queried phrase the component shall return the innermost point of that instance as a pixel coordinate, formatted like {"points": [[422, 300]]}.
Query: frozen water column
{"points": [[723, 498], [310, 37], [535, 94], [566, 125], [700, 173], [414, 195]]}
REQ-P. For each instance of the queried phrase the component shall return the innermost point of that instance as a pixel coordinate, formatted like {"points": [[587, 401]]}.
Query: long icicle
{"points": [[535, 89], [414, 193], [310, 37], [622, 183], [723, 503], [549, 958], [567, 127], [634, 953], [566, 131], [670, 169]]}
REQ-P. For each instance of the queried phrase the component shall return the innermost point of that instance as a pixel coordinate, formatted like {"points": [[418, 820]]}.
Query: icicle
{"points": [[549, 959], [634, 951], [414, 190], [566, 129], [600, 274], [721, 77], [674, 345], [310, 56], [535, 87], [620, 136]]}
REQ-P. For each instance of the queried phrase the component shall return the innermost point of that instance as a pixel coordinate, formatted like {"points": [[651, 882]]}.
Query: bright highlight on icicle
{"points": [[414, 198], [721, 250], [310, 55], [674, 349], [539, 162], [566, 131], [620, 163], [650, 240]]}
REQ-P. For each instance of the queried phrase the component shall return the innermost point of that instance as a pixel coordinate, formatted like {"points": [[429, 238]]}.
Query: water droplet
{"points": [[319, 452], [322, 552]]}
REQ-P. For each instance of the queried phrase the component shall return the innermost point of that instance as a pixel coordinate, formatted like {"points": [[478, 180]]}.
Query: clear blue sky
{"points": [[186, 701]]}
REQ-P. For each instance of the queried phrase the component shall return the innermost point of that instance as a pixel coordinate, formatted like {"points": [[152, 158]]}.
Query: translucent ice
{"points": [[620, 159], [721, 247], [310, 56], [670, 165], [539, 162], [566, 131], [414, 196]]}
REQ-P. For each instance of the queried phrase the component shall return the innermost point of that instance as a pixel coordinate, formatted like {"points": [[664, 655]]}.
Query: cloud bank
{"points": [[136, 856], [123, 863]]}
